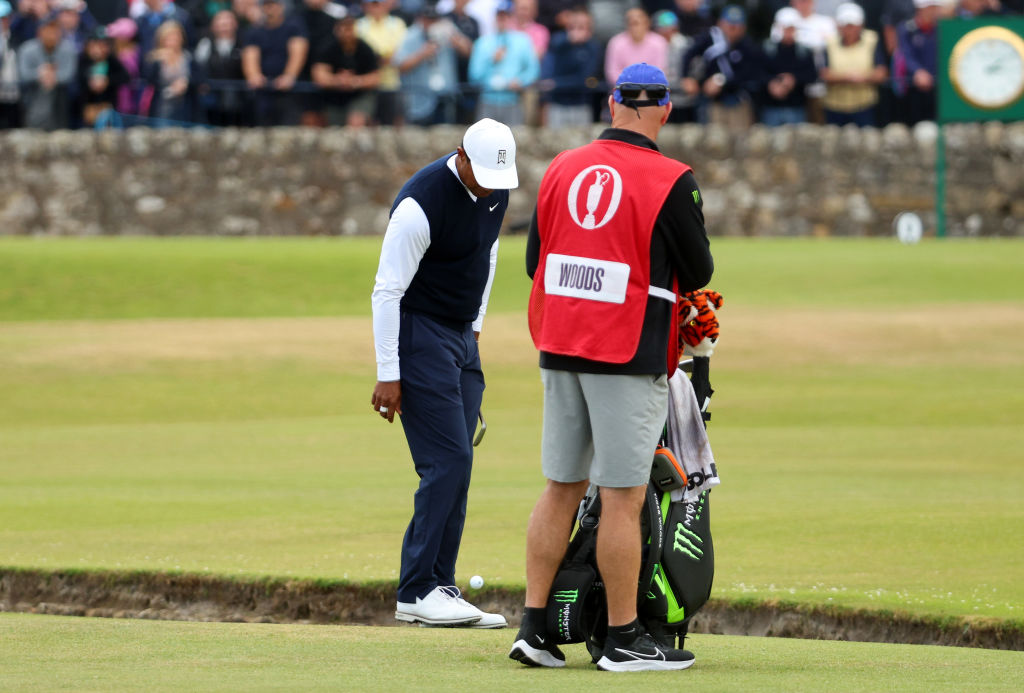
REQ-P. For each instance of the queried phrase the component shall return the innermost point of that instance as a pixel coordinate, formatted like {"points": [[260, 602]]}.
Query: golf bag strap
{"points": [[652, 508]]}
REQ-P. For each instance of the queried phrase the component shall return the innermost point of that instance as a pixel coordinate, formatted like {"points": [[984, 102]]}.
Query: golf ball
{"points": [[476, 582]]}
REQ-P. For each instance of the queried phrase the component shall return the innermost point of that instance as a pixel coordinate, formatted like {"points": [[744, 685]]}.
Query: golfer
{"points": [[429, 298], [618, 232]]}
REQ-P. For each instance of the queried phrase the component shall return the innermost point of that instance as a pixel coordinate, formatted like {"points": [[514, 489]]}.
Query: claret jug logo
{"points": [[594, 196]]}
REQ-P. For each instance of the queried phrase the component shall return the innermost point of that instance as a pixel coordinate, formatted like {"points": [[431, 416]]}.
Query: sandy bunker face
{"points": [[208, 598]]}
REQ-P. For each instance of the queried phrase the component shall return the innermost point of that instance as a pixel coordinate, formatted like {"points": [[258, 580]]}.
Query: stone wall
{"points": [[768, 182]]}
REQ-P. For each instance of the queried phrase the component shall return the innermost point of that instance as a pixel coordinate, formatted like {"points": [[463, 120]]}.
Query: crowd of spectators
{"points": [[94, 63]]}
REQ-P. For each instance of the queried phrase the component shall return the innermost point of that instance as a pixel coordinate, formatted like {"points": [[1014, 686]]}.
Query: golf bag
{"points": [[677, 565]]}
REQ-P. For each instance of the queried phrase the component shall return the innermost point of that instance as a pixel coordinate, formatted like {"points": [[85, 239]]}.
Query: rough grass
{"points": [[54, 653]]}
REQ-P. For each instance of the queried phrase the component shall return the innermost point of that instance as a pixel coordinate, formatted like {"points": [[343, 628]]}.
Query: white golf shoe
{"points": [[442, 607], [486, 620]]}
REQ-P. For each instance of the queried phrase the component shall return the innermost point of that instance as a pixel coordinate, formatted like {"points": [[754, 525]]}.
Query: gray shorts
{"points": [[601, 427]]}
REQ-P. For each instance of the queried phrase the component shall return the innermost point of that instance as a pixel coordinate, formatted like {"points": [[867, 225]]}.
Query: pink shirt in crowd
{"points": [[539, 37], [622, 52]]}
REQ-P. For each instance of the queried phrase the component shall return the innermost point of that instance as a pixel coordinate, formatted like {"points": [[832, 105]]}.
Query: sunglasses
{"points": [[632, 92]]}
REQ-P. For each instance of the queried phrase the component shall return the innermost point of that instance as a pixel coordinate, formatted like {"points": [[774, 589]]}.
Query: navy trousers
{"points": [[442, 386]]}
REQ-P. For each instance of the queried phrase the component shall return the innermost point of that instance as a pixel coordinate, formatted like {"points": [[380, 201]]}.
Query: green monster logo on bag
{"points": [[566, 596], [684, 542]]}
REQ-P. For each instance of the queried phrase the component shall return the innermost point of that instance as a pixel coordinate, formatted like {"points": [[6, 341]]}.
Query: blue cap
{"points": [[506, 6], [664, 18], [642, 74], [733, 14], [5, 8]]}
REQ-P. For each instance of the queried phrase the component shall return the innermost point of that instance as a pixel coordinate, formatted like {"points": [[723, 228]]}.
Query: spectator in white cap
{"points": [[855, 65], [790, 68], [813, 29], [917, 56], [429, 299]]}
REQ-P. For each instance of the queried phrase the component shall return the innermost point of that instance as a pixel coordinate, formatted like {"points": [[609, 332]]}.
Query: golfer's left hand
{"points": [[387, 399]]}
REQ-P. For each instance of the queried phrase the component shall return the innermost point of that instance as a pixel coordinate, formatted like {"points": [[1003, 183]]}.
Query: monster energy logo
{"points": [[684, 542], [696, 197], [566, 596]]}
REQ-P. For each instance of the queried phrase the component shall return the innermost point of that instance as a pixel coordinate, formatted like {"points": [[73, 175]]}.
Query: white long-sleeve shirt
{"points": [[405, 242]]}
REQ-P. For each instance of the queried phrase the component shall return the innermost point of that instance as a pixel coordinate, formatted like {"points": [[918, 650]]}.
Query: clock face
{"points": [[987, 67], [908, 227]]}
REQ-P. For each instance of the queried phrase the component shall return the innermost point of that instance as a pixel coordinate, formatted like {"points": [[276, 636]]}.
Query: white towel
{"points": [[688, 440]]}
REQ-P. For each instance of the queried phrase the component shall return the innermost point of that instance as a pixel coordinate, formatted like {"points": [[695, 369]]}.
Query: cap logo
{"points": [[501, 156]]}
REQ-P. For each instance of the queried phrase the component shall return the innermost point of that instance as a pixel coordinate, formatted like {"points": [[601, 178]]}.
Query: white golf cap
{"points": [[849, 13], [787, 18], [920, 4], [492, 154]]}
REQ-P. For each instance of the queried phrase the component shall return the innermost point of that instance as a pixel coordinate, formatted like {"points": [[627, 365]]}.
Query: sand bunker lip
{"points": [[185, 597]]}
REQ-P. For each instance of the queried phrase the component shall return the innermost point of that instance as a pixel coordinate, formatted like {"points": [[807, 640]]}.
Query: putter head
{"points": [[480, 432]]}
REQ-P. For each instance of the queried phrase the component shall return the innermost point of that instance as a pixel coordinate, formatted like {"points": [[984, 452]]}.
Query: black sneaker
{"points": [[643, 654], [536, 650]]}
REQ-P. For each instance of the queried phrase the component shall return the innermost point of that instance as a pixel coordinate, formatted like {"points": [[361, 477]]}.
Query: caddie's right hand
{"points": [[387, 399]]}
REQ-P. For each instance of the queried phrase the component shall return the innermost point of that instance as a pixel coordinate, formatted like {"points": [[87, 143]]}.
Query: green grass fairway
{"points": [[203, 406], [60, 279], [54, 653]]}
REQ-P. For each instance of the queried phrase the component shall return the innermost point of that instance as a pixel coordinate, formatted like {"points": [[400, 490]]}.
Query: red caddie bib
{"points": [[596, 210]]}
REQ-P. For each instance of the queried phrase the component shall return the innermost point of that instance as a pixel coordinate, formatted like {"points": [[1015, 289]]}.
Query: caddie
{"points": [[617, 233]]}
